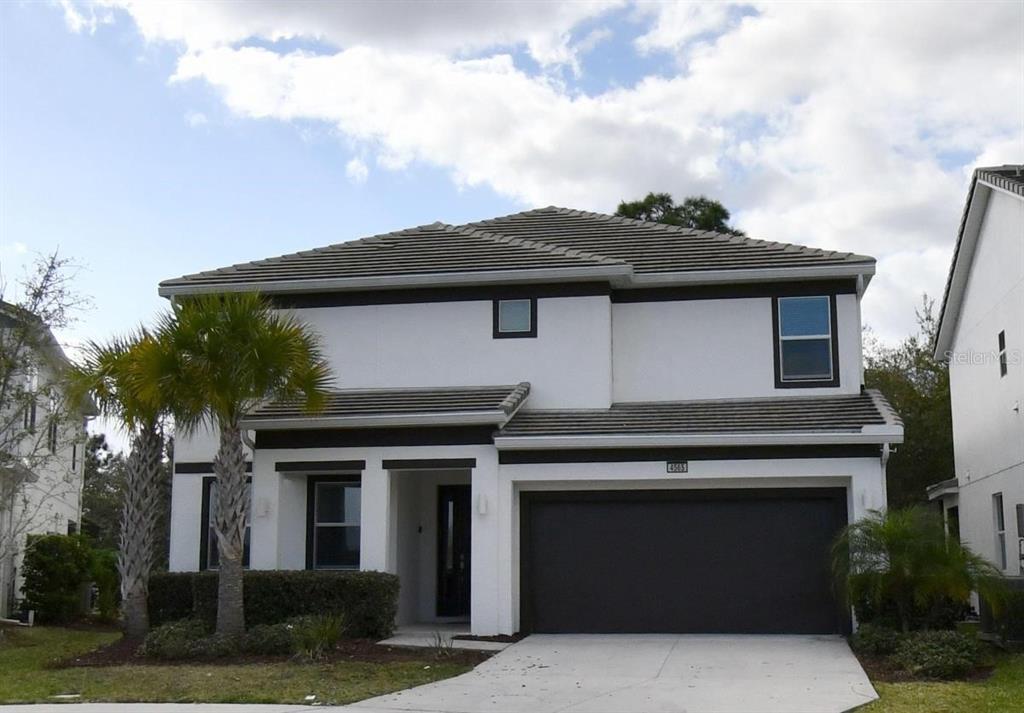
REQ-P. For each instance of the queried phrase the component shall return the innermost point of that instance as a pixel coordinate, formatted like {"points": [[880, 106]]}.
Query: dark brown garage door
{"points": [[723, 561]]}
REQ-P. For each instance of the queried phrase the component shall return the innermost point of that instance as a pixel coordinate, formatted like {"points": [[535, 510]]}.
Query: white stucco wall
{"points": [[452, 344], [988, 410], [708, 349]]}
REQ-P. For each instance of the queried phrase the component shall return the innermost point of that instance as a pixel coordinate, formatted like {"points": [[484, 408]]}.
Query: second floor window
{"points": [[1002, 354], [999, 521], [51, 434], [515, 318], [805, 341]]}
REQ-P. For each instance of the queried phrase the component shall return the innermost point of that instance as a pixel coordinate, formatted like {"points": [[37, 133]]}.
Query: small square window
{"points": [[515, 318]]}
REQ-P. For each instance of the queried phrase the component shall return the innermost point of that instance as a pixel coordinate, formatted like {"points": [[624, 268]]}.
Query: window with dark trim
{"points": [[74, 457], [51, 434], [515, 318], [1002, 354], [999, 523], [805, 342], [333, 515], [209, 553]]}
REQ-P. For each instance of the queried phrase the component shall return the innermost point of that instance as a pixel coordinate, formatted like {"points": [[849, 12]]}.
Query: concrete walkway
{"points": [[615, 674], [648, 673]]}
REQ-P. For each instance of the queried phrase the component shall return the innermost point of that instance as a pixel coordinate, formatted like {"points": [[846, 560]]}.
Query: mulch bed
{"points": [[498, 638], [126, 652], [880, 668]]}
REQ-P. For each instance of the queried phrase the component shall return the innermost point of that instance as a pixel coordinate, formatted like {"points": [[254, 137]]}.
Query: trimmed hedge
{"points": [[368, 600]]}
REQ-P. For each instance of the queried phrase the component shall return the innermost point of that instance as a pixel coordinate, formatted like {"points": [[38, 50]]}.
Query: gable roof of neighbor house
{"points": [[857, 418], [1008, 178], [398, 407], [547, 244]]}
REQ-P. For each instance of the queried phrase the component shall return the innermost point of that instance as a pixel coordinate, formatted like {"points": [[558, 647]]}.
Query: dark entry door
{"points": [[453, 542], [683, 561]]}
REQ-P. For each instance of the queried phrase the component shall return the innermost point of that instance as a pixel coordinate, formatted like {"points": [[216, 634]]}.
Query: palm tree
{"points": [[110, 373], [223, 355], [904, 556]]}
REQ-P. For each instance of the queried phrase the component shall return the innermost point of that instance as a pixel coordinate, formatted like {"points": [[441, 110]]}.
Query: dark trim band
{"points": [[735, 291], [356, 437], [428, 463], [315, 300], [318, 466], [639, 455], [196, 467]]}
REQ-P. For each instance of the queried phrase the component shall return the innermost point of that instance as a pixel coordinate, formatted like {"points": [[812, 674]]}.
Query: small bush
{"points": [[176, 640], [269, 640], [216, 646], [368, 600], [55, 568], [937, 654], [104, 575], [314, 636], [875, 640]]}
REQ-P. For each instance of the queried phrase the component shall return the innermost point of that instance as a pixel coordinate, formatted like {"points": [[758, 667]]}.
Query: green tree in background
{"points": [[102, 491], [917, 386], [697, 212]]}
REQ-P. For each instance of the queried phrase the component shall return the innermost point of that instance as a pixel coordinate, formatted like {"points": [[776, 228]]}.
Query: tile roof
{"points": [[551, 238], [367, 407], [801, 414], [656, 247]]}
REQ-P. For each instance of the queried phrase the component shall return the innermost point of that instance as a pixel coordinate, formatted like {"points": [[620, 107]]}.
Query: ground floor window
{"points": [[333, 522], [209, 552], [999, 520]]}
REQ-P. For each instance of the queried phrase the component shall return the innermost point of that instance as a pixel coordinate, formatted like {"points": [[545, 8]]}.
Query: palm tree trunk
{"points": [[139, 515], [232, 512]]}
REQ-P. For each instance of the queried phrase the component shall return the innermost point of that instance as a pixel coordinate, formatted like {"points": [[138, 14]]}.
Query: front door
{"points": [[453, 527]]}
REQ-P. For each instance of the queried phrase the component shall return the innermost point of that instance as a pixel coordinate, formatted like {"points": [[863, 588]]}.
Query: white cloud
{"points": [[195, 119], [821, 123], [356, 171]]}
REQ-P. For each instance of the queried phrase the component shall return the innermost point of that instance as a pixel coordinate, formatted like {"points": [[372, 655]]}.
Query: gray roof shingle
{"points": [[803, 414], [371, 406], [543, 239], [656, 247]]}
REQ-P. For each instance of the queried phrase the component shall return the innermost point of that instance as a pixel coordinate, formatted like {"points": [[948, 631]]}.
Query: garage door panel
{"points": [[680, 561]]}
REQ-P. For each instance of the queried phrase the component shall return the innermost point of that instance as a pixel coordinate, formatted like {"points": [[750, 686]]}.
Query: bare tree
{"points": [[36, 420]]}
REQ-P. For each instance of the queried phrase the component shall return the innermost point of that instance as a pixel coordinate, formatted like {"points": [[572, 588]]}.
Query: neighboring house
{"points": [[41, 448], [981, 335], [565, 421]]}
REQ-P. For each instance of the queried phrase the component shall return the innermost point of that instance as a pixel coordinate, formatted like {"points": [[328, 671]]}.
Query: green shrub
{"points": [[368, 600], [103, 571], [314, 636], [875, 640], [55, 568], [175, 640], [937, 654], [1008, 621], [269, 640]]}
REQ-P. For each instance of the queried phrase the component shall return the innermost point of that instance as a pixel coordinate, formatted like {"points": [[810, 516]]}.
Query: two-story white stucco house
{"points": [[42, 448], [981, 335], [566, 422]]}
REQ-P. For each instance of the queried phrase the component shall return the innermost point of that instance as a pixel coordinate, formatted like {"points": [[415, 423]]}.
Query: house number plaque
{"points": [[677, 466]]}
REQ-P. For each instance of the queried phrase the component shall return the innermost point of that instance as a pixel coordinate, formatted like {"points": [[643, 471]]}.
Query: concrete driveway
{"points": [[648, 674]]}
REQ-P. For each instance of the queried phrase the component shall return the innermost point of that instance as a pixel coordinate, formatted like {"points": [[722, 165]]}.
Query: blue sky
{"points": [[151, 141]]}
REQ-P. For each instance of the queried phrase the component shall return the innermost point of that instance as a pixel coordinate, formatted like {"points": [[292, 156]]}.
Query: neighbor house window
{"points": [[953, 523], [333, 514], [74, 457], [805, 341], [515, 318], [209, 554], [1002, 354], [51, 434], [1020, 535], [999, 520]]}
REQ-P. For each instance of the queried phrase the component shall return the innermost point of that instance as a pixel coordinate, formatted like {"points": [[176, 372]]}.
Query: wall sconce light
{"points": [[481, 504]]}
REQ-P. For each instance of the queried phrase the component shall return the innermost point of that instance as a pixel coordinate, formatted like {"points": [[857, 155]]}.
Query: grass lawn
{"points": [[26, 653], [1004, 691]]}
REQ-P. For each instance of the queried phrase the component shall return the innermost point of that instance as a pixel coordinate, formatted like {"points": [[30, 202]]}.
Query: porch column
{"points": [[375, 519], [485, 554]]}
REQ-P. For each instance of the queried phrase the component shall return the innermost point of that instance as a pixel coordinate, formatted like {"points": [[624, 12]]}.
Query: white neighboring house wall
{"points": [[988, 408], [50, 502]]}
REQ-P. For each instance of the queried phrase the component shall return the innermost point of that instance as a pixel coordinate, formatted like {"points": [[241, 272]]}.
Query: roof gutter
{"points": [[867, 435], [450, 418], [496, 277], [862, 270]]}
